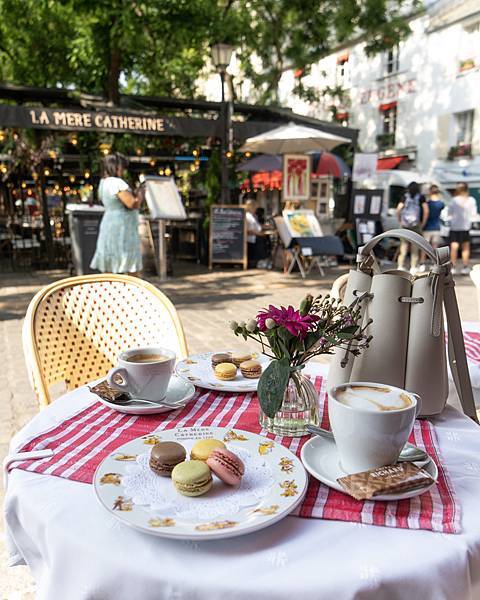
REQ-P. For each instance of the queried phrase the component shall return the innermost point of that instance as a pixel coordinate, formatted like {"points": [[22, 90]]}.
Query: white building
{"points": [[418, 106]]}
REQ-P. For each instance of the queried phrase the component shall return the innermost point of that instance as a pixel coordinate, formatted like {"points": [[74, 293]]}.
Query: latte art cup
{"points": [[145, 380], [370, 437]]}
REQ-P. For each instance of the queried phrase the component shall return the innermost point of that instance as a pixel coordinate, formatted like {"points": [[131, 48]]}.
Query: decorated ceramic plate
{"points": [[273, 485], [198, 370]]}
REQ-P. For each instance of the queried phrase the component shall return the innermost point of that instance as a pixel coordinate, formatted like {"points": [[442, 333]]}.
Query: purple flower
{"points": [[291, 319]]}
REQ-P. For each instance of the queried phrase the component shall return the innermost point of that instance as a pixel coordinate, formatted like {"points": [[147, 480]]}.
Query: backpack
{"points": [[411, 211]]}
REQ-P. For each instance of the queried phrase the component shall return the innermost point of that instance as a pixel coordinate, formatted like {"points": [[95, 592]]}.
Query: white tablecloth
{"points": [[77, 551]]}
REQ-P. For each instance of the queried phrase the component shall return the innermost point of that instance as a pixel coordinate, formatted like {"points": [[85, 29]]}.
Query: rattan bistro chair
{"points": [[75, 328]]}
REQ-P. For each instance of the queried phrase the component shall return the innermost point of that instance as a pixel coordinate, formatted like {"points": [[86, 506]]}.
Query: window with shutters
{"points": [[386, 139], [391, 61], [464, 127], [343, 71]]}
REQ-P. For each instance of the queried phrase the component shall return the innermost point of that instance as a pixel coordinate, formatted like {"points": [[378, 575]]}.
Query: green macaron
{"points": [[192, 478]]}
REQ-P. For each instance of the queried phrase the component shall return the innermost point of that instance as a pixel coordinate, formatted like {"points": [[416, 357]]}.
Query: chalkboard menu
{"points": [[228, 235]]}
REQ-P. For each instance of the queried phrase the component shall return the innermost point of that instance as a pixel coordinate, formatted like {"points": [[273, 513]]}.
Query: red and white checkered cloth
{"points": [[472, 345], [82, 441]]}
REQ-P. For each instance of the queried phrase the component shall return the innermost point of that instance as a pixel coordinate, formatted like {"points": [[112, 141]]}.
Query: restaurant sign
{"points": [[390, 91], [85, 120]]}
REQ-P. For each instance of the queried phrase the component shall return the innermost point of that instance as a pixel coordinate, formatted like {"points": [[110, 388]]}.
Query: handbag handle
{"points": [[439, 256]]}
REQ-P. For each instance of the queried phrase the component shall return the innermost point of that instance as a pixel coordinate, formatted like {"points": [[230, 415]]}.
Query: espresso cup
{"points": [[371, 423], [143, 372]]}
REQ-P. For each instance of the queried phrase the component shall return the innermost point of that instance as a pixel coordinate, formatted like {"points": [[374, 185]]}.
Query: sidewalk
{"points": [[205, 301]]}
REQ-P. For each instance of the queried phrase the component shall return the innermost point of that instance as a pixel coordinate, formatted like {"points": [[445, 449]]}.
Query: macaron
{"points": [[225, 371], [192, 478], [239, 357], [221, 357], [251, 369], [202, 448], [165, 456], [226, 465]]}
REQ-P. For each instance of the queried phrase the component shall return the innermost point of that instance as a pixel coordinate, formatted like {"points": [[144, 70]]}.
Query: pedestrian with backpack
{"points": [[412, 214]]}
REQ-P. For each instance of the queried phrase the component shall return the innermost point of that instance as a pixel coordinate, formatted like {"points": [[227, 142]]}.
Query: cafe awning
{"points": [[389, 163]]}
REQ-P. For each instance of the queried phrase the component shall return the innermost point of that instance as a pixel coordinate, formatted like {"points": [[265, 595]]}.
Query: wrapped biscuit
{"points": [[391, 479]]}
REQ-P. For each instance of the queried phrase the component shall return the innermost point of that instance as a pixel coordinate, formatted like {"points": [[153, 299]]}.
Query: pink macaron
{"points": [[226, 465]]}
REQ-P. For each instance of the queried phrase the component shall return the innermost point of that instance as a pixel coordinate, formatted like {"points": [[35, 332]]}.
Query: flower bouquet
{"points": [[290, 337]]}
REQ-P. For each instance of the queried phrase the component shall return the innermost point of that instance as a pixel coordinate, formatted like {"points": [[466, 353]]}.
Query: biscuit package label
{"points": [[401, 477]]}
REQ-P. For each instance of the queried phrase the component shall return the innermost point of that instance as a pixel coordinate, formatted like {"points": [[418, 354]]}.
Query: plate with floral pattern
{"points": [[198, 370], [262, 502]]}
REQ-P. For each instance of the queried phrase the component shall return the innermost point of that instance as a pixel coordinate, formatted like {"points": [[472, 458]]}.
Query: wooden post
{"points": [[46, 219], [162, 250]]}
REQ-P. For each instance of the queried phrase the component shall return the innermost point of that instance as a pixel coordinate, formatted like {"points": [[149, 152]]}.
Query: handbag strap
{"points": [[456, 352]]}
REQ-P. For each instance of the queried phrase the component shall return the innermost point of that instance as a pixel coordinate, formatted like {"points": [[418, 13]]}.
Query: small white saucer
{"points": [[179, 393], [320, 457]]}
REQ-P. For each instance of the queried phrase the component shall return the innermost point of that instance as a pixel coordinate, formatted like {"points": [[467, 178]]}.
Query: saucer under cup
{"points": [[320, 457]]}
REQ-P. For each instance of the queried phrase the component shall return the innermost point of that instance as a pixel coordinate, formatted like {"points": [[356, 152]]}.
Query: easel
{"points": [[159, 249], [308, 252], [164, 203]]}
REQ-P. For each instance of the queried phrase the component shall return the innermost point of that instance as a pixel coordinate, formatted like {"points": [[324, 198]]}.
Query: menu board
{"points": [[228, 235], [367, 211], [163, 198]]}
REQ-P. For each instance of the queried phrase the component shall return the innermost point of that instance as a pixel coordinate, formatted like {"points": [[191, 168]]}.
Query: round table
{"points": [[76, 550]]}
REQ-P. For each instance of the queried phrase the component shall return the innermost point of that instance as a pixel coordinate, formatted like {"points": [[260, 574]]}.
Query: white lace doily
{"points": [[159, 494]]}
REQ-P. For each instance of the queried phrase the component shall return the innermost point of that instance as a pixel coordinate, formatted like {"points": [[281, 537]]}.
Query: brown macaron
{"points": [[165, 456], [221, 357], [251, 369]]}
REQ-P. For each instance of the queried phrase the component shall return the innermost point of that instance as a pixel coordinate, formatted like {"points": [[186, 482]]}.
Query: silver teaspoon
{"points": [[129, 401], [410, 453]]}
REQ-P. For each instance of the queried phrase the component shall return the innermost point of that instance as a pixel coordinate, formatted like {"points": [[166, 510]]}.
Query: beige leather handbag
{"points": [[408, 345]]}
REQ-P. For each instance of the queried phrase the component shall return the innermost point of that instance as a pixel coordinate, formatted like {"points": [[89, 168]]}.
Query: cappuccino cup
{"points": [[143, 373], [371, 423]]}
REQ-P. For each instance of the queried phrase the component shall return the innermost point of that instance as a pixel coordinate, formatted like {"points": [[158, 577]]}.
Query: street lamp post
{"points": [[221, 55]]}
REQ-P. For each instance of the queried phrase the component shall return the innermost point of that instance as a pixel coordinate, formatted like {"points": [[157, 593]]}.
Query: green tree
{"points": [[288, 35], [161, 46]]}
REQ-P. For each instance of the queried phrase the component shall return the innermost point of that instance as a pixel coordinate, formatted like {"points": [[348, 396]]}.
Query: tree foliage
{"points": [[161, 46]]}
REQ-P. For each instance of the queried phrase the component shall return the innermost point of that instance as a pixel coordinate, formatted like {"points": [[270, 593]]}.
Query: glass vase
{"points": [[299, 407]]}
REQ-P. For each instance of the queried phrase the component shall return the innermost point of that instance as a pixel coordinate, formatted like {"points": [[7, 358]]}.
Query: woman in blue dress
{"points": [[118, 245]]}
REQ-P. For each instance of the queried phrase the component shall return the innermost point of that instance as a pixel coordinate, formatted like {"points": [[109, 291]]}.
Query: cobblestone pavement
{"points": [[205, 301]]}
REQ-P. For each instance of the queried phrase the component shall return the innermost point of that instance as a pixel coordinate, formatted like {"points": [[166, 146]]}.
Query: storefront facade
{"points": [[417, 106]]}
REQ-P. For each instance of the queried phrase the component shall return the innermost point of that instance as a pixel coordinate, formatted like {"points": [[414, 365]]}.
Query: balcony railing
{"points": [[385, 141], [459, 151]]}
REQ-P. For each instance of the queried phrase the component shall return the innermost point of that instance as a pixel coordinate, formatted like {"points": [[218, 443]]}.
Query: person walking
{"points": [[412, 214], [254, 231], [462, 210], [431, 230], [118, 245]]}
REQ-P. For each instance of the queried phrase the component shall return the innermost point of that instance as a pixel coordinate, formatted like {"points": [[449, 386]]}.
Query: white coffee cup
{"points": [[144, 372], [370, 426]]}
